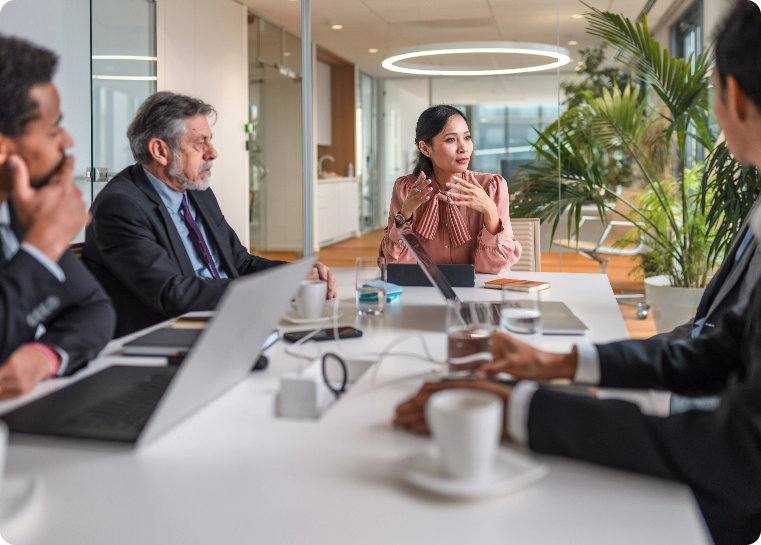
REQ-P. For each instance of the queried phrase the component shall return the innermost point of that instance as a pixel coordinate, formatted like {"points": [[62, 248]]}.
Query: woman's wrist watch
{"points": [[400, 221]]}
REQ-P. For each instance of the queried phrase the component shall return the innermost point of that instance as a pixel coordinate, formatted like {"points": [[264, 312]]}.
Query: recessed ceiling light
{"points": [[336, 27], [286, 54], [577, 16], [373, 50], [573, 42]]}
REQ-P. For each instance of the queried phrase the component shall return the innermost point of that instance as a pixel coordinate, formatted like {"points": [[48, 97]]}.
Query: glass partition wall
{"points": [[123, 46], [274, 129]]}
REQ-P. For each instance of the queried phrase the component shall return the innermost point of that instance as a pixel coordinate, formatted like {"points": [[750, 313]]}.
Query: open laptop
{"points": [[136, 404], [557, 318]]}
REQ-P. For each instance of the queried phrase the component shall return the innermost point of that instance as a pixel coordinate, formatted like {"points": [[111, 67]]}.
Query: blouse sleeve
{"points": [[497, 253], [392, 247]]}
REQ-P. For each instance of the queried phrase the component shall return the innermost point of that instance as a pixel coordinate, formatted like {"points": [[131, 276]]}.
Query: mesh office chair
{"points": [[609, 244]]}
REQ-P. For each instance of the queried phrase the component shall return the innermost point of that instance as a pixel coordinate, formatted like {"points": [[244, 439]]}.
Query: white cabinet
{"points": [[337, 216]]}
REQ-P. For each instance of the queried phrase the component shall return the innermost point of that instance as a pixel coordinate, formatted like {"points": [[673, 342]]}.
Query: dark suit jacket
{"points": [[732, 283], [77, 315], [717, 453], [134, 250]]}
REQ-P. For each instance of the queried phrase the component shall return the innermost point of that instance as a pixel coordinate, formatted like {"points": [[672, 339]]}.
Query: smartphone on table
{"points": [[344, 332]]}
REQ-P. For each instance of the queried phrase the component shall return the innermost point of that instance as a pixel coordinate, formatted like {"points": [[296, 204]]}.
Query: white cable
{"points": [[377, 356]]}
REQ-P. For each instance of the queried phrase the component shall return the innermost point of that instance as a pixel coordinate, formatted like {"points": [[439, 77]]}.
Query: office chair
{"points": [[526, 231], [608, 245]]}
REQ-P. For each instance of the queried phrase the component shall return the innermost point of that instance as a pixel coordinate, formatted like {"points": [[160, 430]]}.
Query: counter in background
{"points": [[337, 216]]}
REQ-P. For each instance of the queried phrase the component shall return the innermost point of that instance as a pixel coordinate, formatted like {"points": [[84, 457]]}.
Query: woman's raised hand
{"points": [[420, 193], [470, 193]]}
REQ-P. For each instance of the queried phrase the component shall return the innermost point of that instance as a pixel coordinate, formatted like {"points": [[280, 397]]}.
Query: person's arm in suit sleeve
{"points": [[29, 293], [86, 320], [496, 253], [129, 248]]}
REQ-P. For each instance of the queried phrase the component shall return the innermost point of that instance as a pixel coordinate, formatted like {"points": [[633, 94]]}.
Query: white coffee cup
{"points": [[466, 425], [310, 299]]}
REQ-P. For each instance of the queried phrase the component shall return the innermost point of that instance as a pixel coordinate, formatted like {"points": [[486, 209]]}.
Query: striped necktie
{"points": [[196, 237]]}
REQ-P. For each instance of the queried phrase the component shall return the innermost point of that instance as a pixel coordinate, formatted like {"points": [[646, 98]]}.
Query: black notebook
{"points": [[163, 342]]}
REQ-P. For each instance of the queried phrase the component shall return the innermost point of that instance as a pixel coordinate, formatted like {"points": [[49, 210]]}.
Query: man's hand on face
{"points": [[410, 415], [53, 215], [522, 360], [23, 370], [321, 272]]}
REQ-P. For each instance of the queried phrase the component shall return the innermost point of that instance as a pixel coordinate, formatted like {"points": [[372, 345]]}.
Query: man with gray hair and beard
{"points": [[158, 242]]}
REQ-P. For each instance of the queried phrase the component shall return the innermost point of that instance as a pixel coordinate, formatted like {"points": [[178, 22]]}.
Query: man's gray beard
{"points": [[186, 185]]}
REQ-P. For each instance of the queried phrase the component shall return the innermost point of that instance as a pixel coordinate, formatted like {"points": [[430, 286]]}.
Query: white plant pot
{"points": [[670, 306]]}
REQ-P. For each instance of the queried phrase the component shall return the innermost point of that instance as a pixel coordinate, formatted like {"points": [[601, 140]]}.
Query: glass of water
{"points": [[371, 285], [521, 315], [469, 344]]}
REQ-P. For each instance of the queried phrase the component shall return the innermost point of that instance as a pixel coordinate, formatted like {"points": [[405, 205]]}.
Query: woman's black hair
{"points": [[430, 123]]}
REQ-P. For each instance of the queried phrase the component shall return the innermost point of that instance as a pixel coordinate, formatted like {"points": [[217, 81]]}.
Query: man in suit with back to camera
{"points": [[53, 314], [716, 452], [158, 241]]}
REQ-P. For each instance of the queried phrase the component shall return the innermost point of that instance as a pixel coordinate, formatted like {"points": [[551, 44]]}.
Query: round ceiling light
{"points": [[501, 57]]}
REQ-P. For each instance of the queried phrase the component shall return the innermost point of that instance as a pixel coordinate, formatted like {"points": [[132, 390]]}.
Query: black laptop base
{"points": [[111, 405]]}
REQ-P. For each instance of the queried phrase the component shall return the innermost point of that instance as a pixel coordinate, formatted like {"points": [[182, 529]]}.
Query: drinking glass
{"points": [[521, 315], [468, 337], [371, 285]]}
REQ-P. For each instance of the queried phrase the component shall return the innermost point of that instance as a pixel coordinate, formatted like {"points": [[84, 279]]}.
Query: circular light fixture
{"points": [[560, 55], [336, 27], [372, 50], [577, 16]]}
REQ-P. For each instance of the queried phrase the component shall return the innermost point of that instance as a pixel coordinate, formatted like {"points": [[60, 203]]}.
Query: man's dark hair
{"points": [[163, 116], [22, 66], [738, 49]]}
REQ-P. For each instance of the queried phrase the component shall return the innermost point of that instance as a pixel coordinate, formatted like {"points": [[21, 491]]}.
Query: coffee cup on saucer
{"points": [[310, 299], [466, 426]]}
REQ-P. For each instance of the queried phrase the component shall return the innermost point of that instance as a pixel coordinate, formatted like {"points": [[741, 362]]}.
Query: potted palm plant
{"points": [[690, 211]]}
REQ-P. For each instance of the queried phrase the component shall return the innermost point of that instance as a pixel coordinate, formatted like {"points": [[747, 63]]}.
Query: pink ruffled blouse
{"points": [[450, 237]]}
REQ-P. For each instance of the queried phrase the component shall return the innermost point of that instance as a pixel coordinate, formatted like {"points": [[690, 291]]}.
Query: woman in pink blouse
{"points": [[461, 216]]}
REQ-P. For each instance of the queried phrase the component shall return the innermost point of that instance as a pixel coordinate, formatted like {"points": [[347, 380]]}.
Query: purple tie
{"points": [[197, 238]]}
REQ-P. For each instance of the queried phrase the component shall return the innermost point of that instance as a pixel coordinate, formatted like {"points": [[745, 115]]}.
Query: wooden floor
{"points": [[344, 253]]}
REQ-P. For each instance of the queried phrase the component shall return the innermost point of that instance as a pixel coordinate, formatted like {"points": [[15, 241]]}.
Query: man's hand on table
{"points": [[21, 372], [321, 272], [410, 415], [522, 360]]}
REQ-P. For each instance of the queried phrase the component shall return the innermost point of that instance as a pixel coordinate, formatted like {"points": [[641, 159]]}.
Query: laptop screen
{"points": [[426, 263]]}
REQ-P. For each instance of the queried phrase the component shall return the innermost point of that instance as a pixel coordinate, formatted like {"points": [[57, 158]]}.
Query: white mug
{"points": [[310, 299], [466, 425]]}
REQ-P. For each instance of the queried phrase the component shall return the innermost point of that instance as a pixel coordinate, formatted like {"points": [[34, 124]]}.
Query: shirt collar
{"points": [[5, 213], [172, 199]]}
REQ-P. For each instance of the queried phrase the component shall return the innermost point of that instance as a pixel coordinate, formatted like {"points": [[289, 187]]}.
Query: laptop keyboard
{"points": [[129, 410]]}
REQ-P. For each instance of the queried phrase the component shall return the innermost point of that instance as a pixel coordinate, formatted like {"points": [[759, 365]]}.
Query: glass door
{"points": [[123, 71]]}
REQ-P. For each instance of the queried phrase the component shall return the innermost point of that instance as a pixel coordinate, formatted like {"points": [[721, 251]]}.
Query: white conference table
{"points": [[234, 473]]}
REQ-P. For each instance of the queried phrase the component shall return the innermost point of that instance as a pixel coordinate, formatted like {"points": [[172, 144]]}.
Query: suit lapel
{"points": [[730, 273], [223, 247], [181, 255]]}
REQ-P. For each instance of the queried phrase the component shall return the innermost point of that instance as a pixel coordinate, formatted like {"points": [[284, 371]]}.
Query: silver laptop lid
{"points": [[427, 263], [225, 351]]}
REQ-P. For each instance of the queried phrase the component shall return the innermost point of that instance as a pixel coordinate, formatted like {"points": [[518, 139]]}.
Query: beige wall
{"points": [[202, 51]]}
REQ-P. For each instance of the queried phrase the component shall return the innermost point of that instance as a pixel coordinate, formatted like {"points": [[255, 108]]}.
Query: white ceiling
{"points": [[387, 25]]}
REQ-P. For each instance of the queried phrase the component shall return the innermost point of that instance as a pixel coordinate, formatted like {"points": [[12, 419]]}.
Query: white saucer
{"points": [[19, 498], [512, 471], [327, 313]]}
